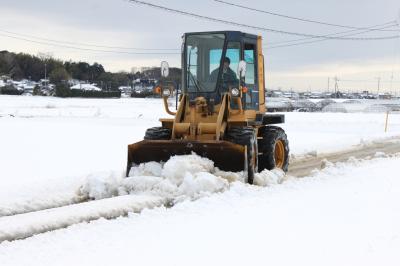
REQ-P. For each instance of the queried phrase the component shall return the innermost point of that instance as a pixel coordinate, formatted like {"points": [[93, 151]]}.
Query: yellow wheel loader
{"points": [[221, 113]]}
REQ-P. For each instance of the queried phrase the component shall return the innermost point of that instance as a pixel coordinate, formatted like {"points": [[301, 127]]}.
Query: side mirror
{"points": [[164, 90], [242, 69], [164, 69]]}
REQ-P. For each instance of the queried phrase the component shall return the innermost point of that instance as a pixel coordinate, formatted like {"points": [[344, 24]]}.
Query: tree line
{"points": [[25, 66]]}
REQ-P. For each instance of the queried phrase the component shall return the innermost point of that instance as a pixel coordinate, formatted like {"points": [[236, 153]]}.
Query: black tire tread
{"points": [[266, 145], [158, 133], [245, 136]]}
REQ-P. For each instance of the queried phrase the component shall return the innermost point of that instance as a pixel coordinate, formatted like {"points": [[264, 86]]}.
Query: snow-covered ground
{"points": [[54, 151], [347, 214], [50, 145]]}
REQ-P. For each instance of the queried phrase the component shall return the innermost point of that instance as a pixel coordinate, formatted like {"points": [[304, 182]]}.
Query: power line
{"points": [[392, 24], [176, 11], [87, 49], [92, 45], [293, 18], [319, 40]]}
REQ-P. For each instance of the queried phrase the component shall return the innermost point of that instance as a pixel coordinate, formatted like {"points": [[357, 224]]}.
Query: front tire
{"points": [[246, 136], [274, 149]]}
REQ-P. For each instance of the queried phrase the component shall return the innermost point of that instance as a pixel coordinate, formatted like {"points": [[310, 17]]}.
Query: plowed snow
{"points": [[181, 177]]}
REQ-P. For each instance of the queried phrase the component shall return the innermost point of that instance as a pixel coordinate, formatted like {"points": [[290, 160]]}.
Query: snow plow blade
{"points": [[226, 155]]}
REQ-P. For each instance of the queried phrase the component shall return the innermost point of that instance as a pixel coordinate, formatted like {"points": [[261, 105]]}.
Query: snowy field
{"points": [[49, 146], [344, 215]]}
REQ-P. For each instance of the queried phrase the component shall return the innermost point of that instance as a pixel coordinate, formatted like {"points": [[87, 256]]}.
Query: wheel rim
{"points": [[279, 154]]}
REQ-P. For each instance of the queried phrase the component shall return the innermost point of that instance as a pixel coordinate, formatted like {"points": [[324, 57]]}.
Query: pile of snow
{"points": [[303, 103], [376, 108], [266, 178], [323, 103], [181, 177], [344, 107], [352, 102], [358, 106]]}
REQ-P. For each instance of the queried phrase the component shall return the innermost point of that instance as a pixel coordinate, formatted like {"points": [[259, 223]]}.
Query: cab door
{"points": [[251, 100]]}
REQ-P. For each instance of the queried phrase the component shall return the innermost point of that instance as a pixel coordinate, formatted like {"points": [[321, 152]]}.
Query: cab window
{"points": [[252, 97]]}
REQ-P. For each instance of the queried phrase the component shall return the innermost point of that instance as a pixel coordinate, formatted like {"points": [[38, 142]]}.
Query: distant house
{"points": [[73, 82], [291, 95], [316, 95], [385, 96], [125, 88], [276, 94], [275, 104], [86, 87], [27, 85], [44, 82]]}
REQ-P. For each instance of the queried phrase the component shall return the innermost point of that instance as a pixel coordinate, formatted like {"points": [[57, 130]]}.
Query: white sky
{"points": [[120, 23]]}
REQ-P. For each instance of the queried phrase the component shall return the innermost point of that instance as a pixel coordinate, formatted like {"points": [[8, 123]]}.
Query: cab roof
{"points": [[231, 35]]}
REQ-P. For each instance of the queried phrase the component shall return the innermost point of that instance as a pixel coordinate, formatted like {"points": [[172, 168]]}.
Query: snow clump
{"points": [[273, 177], [177, 167], [181, 177], [100, 186]]}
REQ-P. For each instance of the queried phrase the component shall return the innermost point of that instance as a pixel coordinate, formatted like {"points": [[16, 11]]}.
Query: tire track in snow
{"points": [[29, 224], [40, 205], [304, 166]]}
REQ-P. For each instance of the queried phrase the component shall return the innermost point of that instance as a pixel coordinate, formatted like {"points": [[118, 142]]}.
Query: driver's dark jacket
{"points": [[227, 78]]}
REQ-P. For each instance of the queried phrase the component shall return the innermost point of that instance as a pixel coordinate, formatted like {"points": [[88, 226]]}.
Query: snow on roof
{"points": [[86, 87], [324, 102], [335, 108], [124, 88], [272, 102], [303, 103]]}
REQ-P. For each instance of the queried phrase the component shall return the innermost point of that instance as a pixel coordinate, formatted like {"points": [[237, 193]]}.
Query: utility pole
{"points": [[379, 84], [391, 82], [45, 73], [45, 57], [336, 87], [328, 83]]}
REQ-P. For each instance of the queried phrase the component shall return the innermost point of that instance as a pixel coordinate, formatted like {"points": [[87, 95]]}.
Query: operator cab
{"points": [[211, 66]]}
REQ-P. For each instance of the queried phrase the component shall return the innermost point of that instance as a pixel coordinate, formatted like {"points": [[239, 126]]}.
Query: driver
{"points": [[228, 76]]}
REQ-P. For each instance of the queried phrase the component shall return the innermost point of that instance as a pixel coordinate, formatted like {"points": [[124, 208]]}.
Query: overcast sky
{"points": [[120, 23]]}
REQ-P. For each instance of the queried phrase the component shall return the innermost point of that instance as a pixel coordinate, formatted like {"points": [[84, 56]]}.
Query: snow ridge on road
{"points": [[26, 225]]}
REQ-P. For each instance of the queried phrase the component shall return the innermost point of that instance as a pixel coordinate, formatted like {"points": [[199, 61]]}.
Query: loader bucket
{"points": [[226, 155]]}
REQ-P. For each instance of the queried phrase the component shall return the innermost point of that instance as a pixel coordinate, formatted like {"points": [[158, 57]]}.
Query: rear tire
{"points": [[158, 133], [274, 147], [246, 136]]}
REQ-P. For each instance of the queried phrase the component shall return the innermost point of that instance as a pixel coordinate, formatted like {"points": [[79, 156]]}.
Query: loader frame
{"points": [[210, 123]]}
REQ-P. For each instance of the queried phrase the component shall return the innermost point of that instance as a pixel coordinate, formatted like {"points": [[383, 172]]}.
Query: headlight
{"points": [[166, 92], [235, 92]]}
